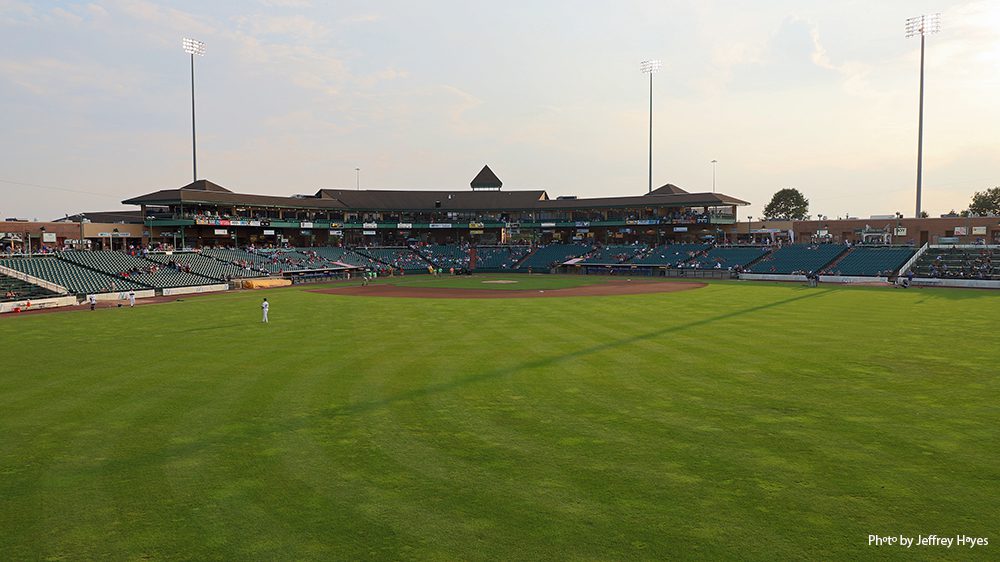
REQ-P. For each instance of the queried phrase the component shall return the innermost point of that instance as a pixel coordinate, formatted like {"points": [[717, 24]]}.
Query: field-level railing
{"points": [[906, 266], [33, 280]]}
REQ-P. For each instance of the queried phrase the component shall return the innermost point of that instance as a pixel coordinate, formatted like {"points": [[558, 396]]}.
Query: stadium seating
{"points": [[872, 261], [669, 254], [728, 258], [445, 256], [959, 263], [77, 279], [799, 258], [14, 289], [399, 258], [205, 266], [614, 254], [243, 259], [124, 266], [499, 258], [343, 255], [546, 257]]}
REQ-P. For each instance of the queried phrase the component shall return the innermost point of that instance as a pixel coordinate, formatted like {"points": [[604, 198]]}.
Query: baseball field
{"points": [[728, 421]]}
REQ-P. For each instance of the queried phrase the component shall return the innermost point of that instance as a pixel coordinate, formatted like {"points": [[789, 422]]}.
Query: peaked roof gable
{"points": [[205, 185], [486, 178]]}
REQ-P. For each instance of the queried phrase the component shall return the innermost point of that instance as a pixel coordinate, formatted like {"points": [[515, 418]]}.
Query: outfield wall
{"points": [[963, 283], [842, 279], [37, 304], [123, 295], [195, 289]]}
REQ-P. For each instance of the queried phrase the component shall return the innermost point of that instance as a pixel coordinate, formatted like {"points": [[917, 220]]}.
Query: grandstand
{"points": [[121, 265], [546, 257], [868, 261], [76, 279], [342, 256], [204, 265], [243, 259], [614, 254], [499, 258], [959, 263], [799, 258], [445, 256], [669, 254], [14, 289], [397, 257], [728, 258]]}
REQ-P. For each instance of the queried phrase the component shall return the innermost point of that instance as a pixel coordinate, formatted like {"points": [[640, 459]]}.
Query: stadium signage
{"points": [[680, 229], [979, 230], [642, 221], [404, 225], [368, 232], [48, 237], [548, 225], [306, 225], [336, 233], [269, 232], [513, 225], [336, 225], [475, 232], [961, 231], [476, 225], [766, 230], [900, 231], [369, 225], [221, 232], [582, 224], [440, 225]]}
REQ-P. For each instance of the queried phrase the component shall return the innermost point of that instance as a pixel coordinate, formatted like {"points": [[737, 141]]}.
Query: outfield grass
{"points": [[734, 421]]}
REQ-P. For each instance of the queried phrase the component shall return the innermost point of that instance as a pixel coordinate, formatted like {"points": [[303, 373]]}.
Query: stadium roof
{"points": [[486, 179], [206, 192], [131, 216]]}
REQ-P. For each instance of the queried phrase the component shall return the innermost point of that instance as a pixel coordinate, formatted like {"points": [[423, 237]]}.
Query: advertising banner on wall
{"points": [[269, 232], [979, 230], [221, 232], [961, 231]]}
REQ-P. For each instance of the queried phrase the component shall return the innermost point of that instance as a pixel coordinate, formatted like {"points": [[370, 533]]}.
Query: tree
{"points": [[787, 204], [986, 202]]}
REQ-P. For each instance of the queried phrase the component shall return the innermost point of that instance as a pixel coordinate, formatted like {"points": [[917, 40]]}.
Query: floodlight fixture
{"points": [[193, 47], [650, 66]]}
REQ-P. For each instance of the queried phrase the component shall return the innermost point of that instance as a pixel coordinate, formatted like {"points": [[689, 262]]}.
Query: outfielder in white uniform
{"points": [[264, 306], [131, 298]]}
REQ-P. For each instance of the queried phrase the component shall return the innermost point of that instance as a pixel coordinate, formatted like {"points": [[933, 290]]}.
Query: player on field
{"points": [[264, 307]]}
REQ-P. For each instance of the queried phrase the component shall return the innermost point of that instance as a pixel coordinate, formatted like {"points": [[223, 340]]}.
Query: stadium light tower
{"points": [[193, 47], [923, 26], [714, 162], [650, 67]]}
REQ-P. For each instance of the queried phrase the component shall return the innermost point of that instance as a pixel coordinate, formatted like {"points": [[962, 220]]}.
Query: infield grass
{"points": [[736, 421]]}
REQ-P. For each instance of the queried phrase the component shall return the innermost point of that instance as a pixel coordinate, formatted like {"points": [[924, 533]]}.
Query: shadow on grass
{"points": [[362, 407]]}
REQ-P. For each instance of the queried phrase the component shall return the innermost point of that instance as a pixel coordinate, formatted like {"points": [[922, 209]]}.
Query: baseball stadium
{"points": [[489, 281], [491, 374]]}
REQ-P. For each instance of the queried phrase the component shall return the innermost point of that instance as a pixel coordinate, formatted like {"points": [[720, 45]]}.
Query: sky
{"points": [[294, 95]]}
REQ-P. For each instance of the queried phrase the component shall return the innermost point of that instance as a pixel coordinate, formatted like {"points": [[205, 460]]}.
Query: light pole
{"points": [[921, 25], [650, 67], [714, 162], [749, 237], [357, 175], [193, 47]]}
